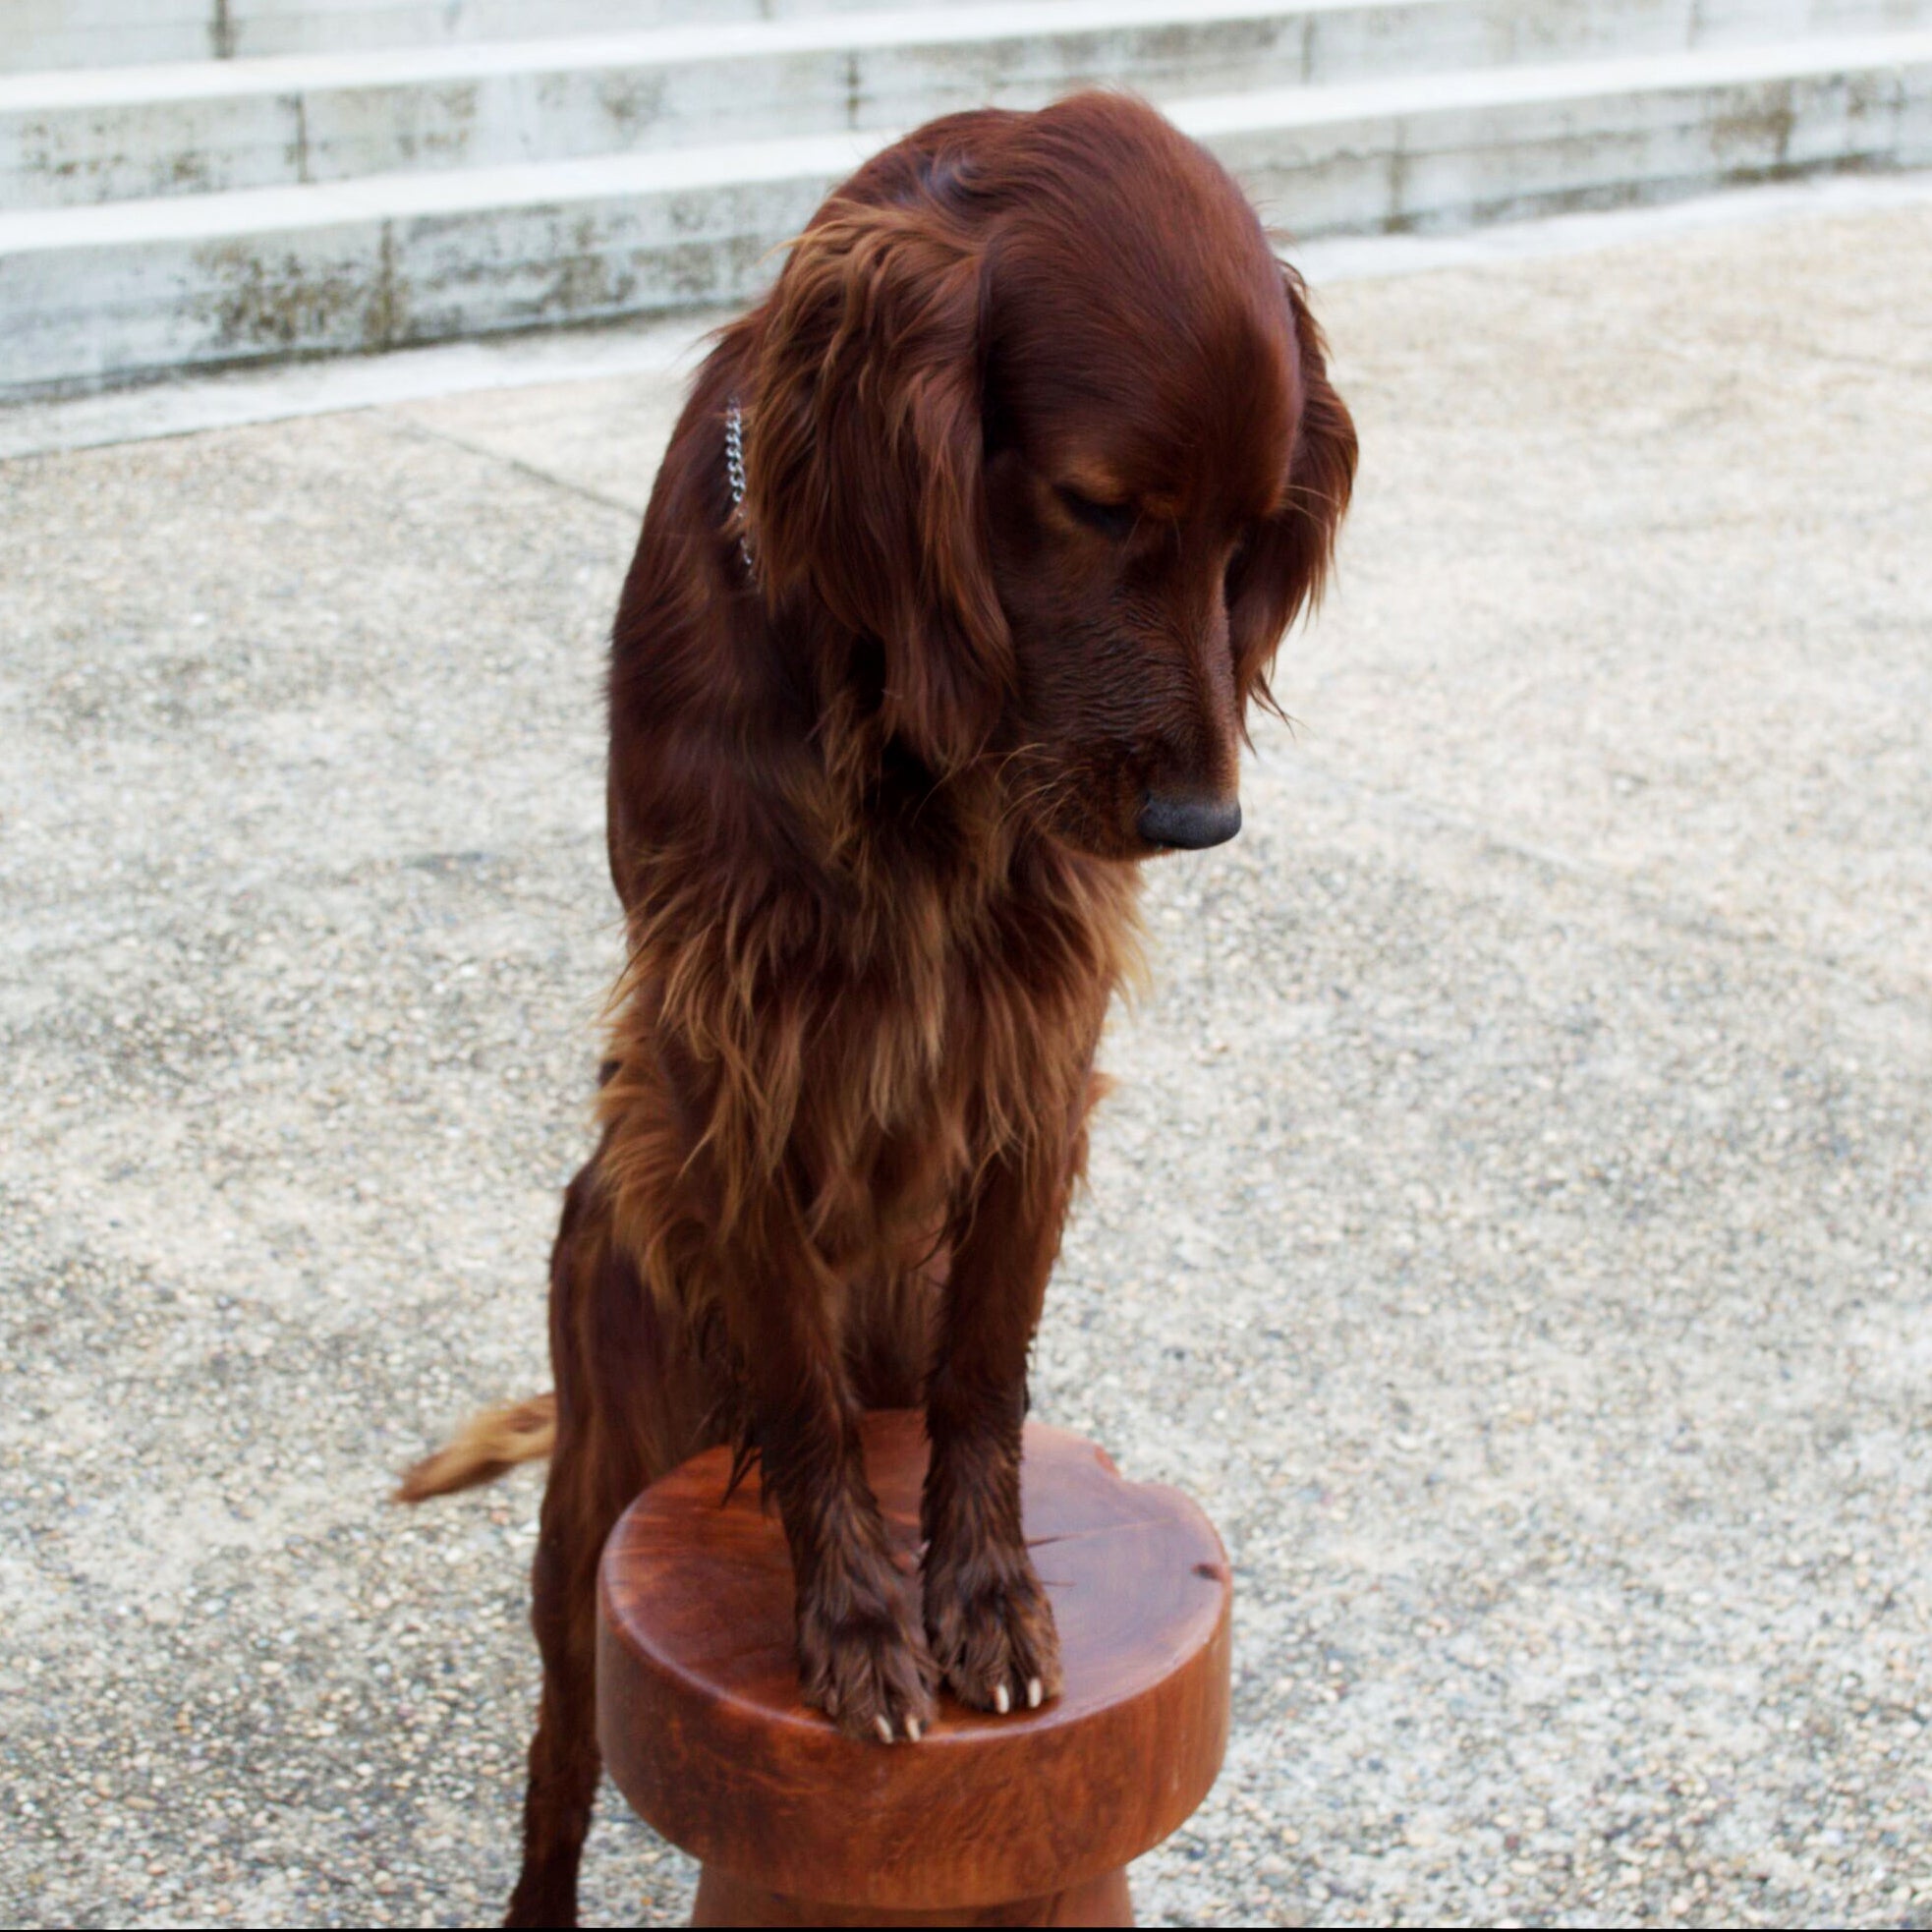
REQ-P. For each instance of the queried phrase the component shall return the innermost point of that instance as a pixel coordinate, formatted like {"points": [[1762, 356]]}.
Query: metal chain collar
{"points": [[734, 471]]}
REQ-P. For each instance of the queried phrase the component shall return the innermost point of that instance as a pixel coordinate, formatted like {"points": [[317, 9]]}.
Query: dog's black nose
{"points": [[1190, 822]]}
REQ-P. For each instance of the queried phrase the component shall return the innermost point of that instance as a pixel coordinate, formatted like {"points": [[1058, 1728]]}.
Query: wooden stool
{"points": [[1021, 1820]]}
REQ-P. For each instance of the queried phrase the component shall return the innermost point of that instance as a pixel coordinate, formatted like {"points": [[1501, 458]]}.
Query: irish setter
{"points": [[1036, 457]]}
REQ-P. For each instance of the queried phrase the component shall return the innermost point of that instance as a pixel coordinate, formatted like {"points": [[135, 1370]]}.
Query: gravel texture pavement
{"points": [[1513, 1224]]}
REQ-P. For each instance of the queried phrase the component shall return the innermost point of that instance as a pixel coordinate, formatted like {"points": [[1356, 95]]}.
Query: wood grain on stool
{"points": [[1028, 1819]]}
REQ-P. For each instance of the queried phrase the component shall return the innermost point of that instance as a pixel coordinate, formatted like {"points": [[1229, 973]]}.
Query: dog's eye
{"points": [[1114, 520]]}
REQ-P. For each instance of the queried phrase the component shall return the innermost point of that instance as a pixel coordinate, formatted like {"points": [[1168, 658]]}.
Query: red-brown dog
{"points": [[971, 548]]}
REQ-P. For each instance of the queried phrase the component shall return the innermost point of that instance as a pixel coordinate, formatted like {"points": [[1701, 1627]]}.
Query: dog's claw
{"points": [[866, 1664], [912, 1731], [994, 1640]]}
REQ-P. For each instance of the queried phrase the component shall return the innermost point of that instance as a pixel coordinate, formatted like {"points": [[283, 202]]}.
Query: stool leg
{"points": [[724, 1899]]}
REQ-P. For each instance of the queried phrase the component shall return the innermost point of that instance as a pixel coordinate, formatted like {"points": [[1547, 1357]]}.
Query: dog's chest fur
{"points": [[849, 1053]]}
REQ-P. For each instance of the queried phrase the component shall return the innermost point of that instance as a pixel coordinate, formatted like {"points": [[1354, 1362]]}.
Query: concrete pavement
{"points": [[1513, 1224]]}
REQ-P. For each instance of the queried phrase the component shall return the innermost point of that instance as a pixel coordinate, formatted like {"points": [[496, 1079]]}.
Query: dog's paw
{"points": [[992, 1631], [863, 1661]]}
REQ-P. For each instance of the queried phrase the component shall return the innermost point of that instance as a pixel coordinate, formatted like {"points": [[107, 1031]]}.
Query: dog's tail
{"points": [[486, 1447]]}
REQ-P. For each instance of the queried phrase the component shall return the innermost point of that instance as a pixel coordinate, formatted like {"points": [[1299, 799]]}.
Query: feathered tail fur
{"points": [[486, 1447]]}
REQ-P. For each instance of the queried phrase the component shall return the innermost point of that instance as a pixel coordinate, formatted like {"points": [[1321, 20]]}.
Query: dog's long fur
{"points": [[1041, 458]]}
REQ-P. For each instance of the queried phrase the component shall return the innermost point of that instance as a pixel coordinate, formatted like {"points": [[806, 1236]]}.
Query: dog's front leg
{"points": [[861, 1656], [986, 1618]]}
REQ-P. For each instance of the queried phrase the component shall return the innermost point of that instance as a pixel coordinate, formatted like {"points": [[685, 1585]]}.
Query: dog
{"points": [[967, 558]]}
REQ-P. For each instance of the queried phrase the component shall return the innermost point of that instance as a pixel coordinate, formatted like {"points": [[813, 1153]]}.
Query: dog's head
{"points": [[1036, 408]]}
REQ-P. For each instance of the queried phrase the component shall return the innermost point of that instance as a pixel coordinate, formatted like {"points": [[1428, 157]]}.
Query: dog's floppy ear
{"points": [[863, 454], [1285, 563]]}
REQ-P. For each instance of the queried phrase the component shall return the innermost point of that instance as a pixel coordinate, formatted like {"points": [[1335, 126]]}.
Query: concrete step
{"points": [[215, 125], [52, 34], [111, 293], [99, 134]]}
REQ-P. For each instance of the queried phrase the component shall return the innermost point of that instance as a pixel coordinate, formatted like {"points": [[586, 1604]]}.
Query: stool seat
{"points": [[1034, 1814]]}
